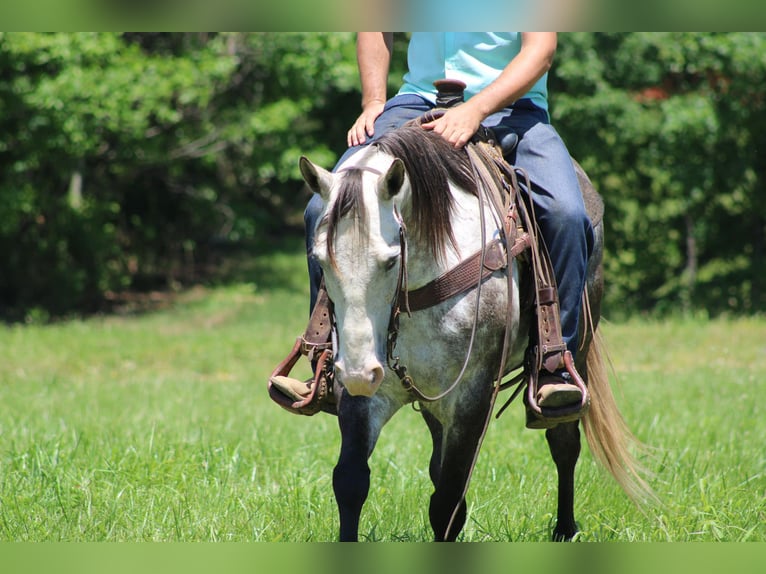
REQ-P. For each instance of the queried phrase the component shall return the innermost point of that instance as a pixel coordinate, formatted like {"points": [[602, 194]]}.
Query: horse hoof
{"points": [[564, 535]]}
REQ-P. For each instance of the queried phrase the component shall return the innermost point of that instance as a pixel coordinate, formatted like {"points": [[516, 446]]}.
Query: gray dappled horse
{"points": [[397, 214]]}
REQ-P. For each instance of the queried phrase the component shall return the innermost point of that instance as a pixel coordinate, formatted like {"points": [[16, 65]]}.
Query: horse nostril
{"points": [[364, 381], [377, 375]]}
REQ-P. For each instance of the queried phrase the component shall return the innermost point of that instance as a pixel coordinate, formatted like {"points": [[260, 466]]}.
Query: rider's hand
{"points": [[364, 126], [457, 125]]}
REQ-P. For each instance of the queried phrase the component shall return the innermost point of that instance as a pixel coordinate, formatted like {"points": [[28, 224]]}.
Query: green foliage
{"points": [[128, 157], [668, 125], [129, 160]]}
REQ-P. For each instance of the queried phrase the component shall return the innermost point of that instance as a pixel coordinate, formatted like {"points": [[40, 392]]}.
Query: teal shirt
{"points": [[476, 58]]}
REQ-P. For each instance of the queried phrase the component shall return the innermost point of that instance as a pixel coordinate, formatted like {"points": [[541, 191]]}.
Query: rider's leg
{"points": [[561, 215], [568, 234], [564, 225]]}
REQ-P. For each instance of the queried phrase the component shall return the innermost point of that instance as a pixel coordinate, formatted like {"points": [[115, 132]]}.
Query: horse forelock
{"points": [[348, 203], [431, 164]]}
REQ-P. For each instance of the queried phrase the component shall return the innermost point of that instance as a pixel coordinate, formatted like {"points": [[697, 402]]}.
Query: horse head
{"points": [[357, 244]]}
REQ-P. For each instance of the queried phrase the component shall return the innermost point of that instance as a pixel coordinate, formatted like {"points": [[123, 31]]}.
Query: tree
{"points": [[130, 155], [129, 160], [668, 125]]}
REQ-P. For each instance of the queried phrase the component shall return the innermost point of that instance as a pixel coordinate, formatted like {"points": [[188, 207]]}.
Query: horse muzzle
{"points": [[360, 382]]}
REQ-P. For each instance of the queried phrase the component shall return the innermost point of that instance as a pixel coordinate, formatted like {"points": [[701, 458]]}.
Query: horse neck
{"points": [[465, 224]]}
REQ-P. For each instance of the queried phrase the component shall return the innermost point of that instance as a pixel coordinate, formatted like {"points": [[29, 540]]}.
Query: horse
{"points": [[397, 214]]}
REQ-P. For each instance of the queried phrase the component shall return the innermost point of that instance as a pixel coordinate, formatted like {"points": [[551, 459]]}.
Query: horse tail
{"points": [[608, 436]]}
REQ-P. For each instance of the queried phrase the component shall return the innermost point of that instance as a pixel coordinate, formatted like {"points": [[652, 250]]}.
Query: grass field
{"points": [[157, 426]]}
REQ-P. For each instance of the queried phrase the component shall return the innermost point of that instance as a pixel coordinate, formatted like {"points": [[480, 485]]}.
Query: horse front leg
{"points": [[351, 475], [437, 435], [564, 444], [452, 461]]}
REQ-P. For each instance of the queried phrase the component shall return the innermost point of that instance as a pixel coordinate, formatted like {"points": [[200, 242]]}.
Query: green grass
{"points": [[157, 426]]}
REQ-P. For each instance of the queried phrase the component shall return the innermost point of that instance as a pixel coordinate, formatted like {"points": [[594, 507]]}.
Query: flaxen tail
{"points": [[609, 438]]}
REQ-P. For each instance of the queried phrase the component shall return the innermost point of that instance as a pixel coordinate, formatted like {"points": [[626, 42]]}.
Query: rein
{"points": [[393, 325]]}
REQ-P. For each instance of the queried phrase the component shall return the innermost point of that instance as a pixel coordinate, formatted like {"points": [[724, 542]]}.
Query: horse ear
{"points": [[317, 178], [393, 180]]}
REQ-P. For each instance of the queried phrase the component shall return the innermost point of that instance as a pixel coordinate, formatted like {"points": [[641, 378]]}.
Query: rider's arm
{"points": [[533, 60], [373, 54], [517, 78]]}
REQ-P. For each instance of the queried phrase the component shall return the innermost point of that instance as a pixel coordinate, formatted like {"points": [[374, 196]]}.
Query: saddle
{"points": [[546, 349]]}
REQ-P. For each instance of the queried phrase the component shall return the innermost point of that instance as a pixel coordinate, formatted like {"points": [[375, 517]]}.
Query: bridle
{"points": [[398, 302]]}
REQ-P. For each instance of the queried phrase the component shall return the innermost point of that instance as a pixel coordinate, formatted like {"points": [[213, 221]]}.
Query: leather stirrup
{"points": [[542, 417], [316, 345]]}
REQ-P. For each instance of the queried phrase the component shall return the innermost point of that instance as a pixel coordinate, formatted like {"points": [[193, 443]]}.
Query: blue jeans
{"points": [[564, 224]]}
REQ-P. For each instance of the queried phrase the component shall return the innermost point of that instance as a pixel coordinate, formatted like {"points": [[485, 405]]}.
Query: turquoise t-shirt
{"points": [[476, 58]]}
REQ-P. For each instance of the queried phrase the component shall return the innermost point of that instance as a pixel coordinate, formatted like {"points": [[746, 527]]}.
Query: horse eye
{"points": [[391, 262]]}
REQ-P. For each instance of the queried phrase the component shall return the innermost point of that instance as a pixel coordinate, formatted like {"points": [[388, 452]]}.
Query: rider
{"points": [[505, 75]]}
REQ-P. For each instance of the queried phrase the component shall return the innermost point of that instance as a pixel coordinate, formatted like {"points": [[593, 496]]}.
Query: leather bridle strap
{"points": [[397, 304], [462, 277]]}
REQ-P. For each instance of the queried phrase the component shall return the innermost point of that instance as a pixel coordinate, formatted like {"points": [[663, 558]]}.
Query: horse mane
{"points": [[431, 163]]}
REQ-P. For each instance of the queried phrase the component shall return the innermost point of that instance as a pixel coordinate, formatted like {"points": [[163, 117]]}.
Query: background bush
{"points": [[134, 161]]}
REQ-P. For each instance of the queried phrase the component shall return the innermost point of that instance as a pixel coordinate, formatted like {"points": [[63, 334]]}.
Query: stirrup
{"points": [[293, 388], [318, 393], [299, 397], [540, 417]]}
